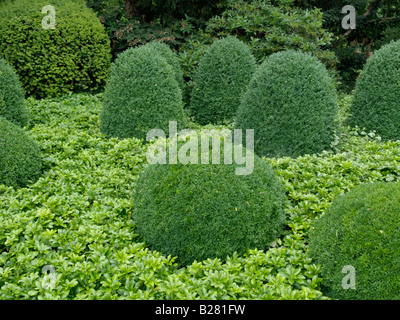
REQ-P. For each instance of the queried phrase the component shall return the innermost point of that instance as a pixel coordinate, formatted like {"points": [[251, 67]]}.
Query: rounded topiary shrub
{"points": [[172, 58], [376, 105], [220, 80], [141, 94], [74, 56], [12, 96], [360, 230], [200, 211], [20, 160], [291, 104]]}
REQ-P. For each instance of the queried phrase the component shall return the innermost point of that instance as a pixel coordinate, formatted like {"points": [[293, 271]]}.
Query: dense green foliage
{"points": [[222, 77], [20, 159], [78, 218], [291, 105], [272, 26], [141, 94], [376, 105], [377, 23], [200, 211], [134, 23], [171, 57], [12, 96], [75, 56], [266, 27], [361, 229]]}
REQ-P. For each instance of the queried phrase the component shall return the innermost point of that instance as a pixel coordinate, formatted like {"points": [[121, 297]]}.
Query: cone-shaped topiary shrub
{"points": [[361, 229], [20, 160], [291, 104], [220, 80], [201, 211], [141, 94], [376, 105], [172, 58], [75, 56], [12, 96]]}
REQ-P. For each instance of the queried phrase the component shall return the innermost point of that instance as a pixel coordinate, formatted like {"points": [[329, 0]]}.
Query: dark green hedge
{"points": [[376, 105], [20, 160], [291, 104], [361, 229], [75, 56], [200, 211], [171, 57], [141, 94], [220, 80], [12, 96]]}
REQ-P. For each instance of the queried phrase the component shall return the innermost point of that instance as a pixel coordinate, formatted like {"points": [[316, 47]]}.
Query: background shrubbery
{"points": [[75, 56]]}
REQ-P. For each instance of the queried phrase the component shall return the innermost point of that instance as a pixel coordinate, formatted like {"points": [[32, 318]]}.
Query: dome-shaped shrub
{"points": [[376, 103], [172, 58], [73, 57], [220, 80], [12, 96], [291, 104], [20, 160], [360, 229], [141, 94], [201, 211]]}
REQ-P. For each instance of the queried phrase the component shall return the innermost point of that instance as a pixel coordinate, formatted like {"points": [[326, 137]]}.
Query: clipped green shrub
{"points": [[200, 211], [74, 56], [291, 104], [141, 94], [376, 97], [172, 58], [12, 96], [360, 229], [220, 80], [20, 160]]}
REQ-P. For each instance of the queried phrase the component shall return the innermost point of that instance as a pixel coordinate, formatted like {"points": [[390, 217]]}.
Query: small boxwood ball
{"points": [[291, 104], [201, 211], [141, 94], [376, 105], [20, 159], [357, 244], [12, 96], [221, 78]]}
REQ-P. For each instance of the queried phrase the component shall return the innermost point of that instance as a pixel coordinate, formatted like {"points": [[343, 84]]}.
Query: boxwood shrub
{"points": [[376, 104], [172, 58], [20, 159], [75, 56], [360, 229], [12, 96], [220, 80], [201, 211], [141, 94], [291, 104]]}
